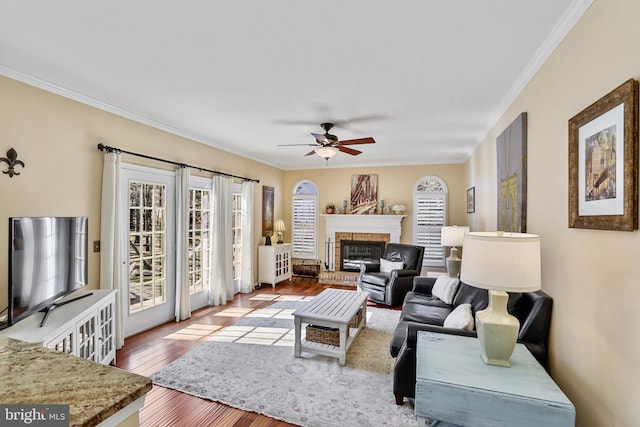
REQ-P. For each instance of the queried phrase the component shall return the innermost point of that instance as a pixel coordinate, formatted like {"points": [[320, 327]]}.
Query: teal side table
{"points": [[454, 385]]}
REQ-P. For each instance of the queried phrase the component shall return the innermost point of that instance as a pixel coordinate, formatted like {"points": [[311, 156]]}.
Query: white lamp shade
{"points": [[326, 152], [279, 226], [502, 261], [453, 235]]}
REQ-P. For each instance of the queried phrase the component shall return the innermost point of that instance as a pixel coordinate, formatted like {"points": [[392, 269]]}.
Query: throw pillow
{"points": [[445, 288], [460, 318], [386, 266]]}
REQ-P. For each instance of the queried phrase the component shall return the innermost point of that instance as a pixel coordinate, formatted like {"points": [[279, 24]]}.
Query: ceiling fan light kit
{"points": [[328, 145], [326, 152]]}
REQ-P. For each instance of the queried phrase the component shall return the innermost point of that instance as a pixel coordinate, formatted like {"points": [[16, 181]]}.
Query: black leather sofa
{"points": [[421, 311]]}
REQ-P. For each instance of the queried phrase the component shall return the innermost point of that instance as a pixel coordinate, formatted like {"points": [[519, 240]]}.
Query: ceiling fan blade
{"points": [[367, 140], [349, 150], [320, 137], [295, 145], [310, 153]]}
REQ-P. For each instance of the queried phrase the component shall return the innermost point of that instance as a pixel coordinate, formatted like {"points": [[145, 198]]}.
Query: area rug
{"points": [[251, 366]]}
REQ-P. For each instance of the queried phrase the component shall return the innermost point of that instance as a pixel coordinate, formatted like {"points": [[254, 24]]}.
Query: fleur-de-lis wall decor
{"points": [[12, 161]]}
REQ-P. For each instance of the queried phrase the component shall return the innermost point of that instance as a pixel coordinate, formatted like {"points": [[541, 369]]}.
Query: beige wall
{"points": [[395, 186], [57, 140], [592, 275]]}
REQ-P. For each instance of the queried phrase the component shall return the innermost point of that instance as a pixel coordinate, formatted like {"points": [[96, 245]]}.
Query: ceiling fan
{"points": [[328, 145]]}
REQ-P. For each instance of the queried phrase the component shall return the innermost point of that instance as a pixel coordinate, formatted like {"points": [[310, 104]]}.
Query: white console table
{"points": [[454, 385], [83, 328]]}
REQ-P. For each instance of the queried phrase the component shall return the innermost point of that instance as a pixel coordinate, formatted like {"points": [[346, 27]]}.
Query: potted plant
{"points": [[331, 208]]}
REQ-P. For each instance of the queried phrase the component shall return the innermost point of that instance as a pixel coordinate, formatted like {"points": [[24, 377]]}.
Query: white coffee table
{"points": [[332, 308]]}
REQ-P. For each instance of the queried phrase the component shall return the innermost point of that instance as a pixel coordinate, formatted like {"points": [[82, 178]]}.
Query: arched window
{"points": [[430, 214], [304, 230]]}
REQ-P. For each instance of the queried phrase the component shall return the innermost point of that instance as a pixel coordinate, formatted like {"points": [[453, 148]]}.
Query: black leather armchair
{"points": [[390, 288]]}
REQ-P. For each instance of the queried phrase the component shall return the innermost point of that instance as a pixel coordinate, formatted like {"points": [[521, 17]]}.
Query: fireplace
{"points": [[370, 228], [353, 253]]}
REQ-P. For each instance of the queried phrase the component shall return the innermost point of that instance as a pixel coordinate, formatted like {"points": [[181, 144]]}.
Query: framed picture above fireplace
{"points": [[364, 194]]}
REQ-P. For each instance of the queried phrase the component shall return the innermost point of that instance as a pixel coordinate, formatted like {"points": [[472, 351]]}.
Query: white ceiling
{"points": [[426, 78]]}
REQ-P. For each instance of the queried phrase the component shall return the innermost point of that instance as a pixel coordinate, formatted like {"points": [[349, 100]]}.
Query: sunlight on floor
{"points": [[255, 335], [280, 297], [194, 332], [235, 312], [247, 334], [273, 313]]}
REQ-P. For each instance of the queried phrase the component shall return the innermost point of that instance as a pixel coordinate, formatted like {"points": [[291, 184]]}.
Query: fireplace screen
{"points": [[353, 253]]}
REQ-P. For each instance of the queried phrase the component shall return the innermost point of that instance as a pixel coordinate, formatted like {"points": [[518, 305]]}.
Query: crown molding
{"points": [[101, 105], [571, 16]]}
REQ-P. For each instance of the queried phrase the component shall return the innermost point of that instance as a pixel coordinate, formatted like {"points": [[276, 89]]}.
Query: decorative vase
{"points": [[330, 210]]}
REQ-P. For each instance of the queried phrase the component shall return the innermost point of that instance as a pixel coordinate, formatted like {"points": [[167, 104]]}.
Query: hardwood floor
{"points": [[151, 350]]}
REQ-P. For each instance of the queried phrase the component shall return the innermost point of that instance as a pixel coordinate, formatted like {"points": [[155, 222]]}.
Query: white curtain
{"points": [[183, 301], [222, 265], [110, 238], [246, 266]]}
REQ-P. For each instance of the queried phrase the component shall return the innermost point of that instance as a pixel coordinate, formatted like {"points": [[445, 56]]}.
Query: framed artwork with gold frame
{"points": [[603, 162]]}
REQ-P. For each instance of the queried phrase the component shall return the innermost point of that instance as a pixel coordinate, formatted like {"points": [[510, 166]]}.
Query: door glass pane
{"points": [[147, 285], [199, 249], [237, 233]]}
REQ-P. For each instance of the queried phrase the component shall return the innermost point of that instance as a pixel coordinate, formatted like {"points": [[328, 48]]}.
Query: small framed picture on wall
{"points": [[471, 200]]}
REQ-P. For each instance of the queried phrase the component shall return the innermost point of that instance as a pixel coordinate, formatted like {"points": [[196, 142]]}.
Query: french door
{"points": [[236, 226], [147, 200], [199, 243]]}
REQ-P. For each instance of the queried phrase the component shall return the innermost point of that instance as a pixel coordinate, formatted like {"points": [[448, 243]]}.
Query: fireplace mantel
{"points": [[363, 224]]}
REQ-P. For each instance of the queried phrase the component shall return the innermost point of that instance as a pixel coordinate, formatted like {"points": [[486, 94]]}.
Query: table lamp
{"points": [[500, 262], [279, 228], [452, 236]]}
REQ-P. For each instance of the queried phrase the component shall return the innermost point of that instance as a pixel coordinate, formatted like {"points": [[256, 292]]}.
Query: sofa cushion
{"points": [[478, 298], [445, 288], [386, 266], [433, 314], [426, 300], [460, 318]]}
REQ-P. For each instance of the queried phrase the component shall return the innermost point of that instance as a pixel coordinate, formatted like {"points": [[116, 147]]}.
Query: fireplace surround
{"points": [[385, 228]]}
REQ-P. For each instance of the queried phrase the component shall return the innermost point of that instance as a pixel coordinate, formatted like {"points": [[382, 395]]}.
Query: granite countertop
{"points": [[32, 374]]}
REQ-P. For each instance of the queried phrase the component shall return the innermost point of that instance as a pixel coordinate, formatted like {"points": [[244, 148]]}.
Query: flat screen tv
{"points": [[47, 260]]}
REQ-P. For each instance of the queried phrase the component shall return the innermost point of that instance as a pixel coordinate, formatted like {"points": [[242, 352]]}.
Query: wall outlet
{"points": [[96, 246]]}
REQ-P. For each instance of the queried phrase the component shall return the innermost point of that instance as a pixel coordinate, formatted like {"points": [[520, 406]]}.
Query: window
{"points": [[430, 213], [305, 220]]}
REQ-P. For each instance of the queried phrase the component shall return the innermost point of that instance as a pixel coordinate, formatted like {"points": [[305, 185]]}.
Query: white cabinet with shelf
{"points": [[83, 328], [274, 263]]}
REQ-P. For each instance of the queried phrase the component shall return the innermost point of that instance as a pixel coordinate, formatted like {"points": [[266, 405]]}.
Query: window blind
{"points": [[304, 230], [430, 217]]}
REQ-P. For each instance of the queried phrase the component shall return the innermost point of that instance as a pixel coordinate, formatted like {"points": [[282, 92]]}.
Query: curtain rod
{"points": [[103, 147]]}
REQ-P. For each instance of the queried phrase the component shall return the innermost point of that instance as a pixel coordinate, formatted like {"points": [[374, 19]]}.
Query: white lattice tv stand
{"points": [[84, 328]]}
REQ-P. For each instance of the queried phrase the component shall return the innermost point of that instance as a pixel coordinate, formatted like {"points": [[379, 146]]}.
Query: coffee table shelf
{"points": [[333, 308]]}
